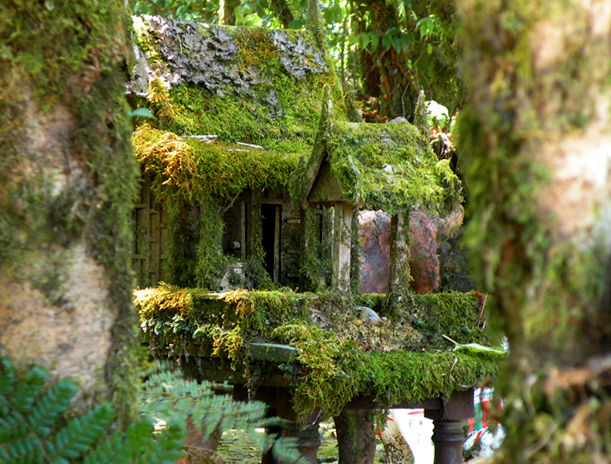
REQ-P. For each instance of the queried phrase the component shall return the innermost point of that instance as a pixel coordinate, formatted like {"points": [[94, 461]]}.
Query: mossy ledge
{"points": [[404, 360]]}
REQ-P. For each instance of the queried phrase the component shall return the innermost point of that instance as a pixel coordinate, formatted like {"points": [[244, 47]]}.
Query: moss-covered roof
{"points": [[241, 85], [265, 88], [379, 166], [337, 357]]}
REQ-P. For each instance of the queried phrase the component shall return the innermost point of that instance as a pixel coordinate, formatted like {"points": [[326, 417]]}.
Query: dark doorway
{"points": [[271, 239]]}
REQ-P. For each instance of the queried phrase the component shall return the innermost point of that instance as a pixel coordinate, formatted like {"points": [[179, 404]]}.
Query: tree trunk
{"points": [[67, 185], [227, 12], [385, 71], [282, 12], [536, 141]]}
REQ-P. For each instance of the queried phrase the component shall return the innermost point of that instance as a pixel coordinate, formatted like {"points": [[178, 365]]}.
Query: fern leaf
{"points": [[119, 450], [25, 450], [12, 427], [7, 377], [55, 401], [81, 432], [113, 450], [24, 397]]}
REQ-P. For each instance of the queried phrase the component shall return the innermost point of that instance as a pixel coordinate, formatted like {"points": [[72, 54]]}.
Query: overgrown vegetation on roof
{"points": [[190, 170], [247, 85], [390, 167], [338, 358]]}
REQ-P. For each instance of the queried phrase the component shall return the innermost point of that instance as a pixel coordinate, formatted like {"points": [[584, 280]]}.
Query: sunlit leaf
{"points": [[365, 38]]}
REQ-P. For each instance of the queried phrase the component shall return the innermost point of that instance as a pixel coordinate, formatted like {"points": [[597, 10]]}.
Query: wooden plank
{"points": [[272, 352]]}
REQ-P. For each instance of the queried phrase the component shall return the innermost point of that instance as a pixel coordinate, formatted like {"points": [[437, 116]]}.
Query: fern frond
{"points": [[12, 427], [22, 451], [7, 378], [25, 395], [55, 401], [81, 432], [121, 449]]}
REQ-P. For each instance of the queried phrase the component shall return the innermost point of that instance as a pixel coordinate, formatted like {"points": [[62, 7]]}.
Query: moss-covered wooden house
{"points": [[252, 173]]}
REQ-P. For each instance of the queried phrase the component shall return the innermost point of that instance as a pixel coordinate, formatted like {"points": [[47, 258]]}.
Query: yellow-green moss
{"points": [[191, 170], [337, 358], [390, 167]]}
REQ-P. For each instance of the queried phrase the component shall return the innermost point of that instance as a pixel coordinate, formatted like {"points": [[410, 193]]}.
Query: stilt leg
{"points": [[355, 436], [448, 440]]}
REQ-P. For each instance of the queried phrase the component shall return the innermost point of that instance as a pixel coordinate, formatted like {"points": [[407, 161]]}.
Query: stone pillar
{"points": [[355, 436], [342, 228]]}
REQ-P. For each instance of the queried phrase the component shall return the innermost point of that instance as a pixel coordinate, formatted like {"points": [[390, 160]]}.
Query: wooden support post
{"points": [[243, 235], [280, 402], [342, 227], [398, 272], [447, 433], [277, 226], [355, 436]]}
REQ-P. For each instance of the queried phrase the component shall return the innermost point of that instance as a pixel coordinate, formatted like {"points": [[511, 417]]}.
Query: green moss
{"points": [[337, 358], [390, 167], [211, 262], [315, 263], [254, 266], [191, 171], [270, 107], [546, 287], [68, 55]]}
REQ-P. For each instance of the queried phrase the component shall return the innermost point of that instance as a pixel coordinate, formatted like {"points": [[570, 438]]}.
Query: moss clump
{"points": [[190, 170], [390, 167], [315, 263], [243, 84], [337, 358]]}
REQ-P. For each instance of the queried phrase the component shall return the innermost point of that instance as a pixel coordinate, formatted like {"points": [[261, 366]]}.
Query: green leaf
{"points": [[296, 24], [375, 41], [386, 43], [55, 401], [7, 377], [429, 49], [80, 433], [396, 44], [24, 397], [142, 112], [477, 348], [393, 31], [352, 39], [12, 427], [365, 38]]}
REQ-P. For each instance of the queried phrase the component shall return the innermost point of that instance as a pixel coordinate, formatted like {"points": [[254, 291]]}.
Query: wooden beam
{"points": [[342, 227]]}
